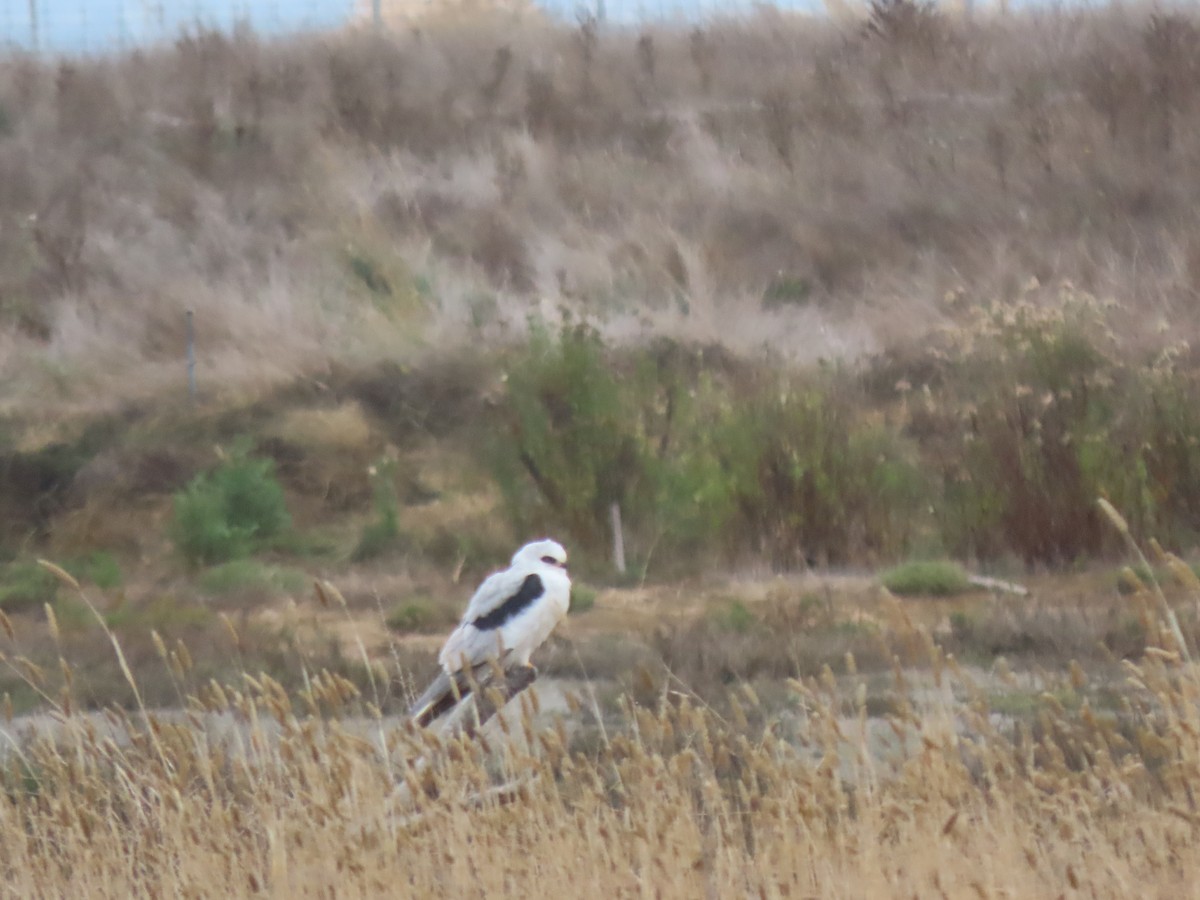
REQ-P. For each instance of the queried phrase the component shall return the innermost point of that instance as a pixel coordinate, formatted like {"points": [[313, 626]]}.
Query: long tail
{"points": [[439, 698]]}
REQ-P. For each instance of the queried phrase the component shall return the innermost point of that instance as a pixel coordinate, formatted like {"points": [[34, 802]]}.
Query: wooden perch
{"points": [[492, 697]]}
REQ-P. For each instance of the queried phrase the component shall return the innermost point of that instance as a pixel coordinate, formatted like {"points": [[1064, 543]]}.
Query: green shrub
{"points": [[586, 427], [100, 568], [931, 578], [698, 457], [1165, 405], [735, 617], [787, 290], [229, 512], [244, 576], [572, 446], [1040, 416], [25, 585], [810, 481]]}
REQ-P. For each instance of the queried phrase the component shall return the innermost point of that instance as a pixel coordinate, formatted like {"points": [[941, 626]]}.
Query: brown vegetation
{"points": [[757, 181]]}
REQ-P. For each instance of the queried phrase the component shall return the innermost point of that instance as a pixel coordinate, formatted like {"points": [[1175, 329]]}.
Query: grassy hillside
{"points": [[824, 190]]}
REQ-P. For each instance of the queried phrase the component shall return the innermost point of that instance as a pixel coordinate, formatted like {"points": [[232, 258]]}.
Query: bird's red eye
{"points": [[550, 560]]}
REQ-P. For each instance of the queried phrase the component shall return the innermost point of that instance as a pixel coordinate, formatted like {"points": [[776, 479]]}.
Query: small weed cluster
{"points": [[382, 532], [928, 578], [229, 512]]}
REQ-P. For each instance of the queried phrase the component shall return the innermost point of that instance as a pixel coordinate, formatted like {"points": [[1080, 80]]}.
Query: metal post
{"points": [[191, 356], [618, 536]]}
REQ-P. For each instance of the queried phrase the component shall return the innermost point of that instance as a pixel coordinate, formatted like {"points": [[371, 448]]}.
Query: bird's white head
{"points": [[541, 553]]}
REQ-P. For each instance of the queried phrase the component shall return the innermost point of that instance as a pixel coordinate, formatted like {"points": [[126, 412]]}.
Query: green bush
{"points": [[229, 512], [1165, 404], [929, 578], [698, 456], [586, 427], [735, 617], [1041, 416], [810, 481], [572, 446], [100, 568]]}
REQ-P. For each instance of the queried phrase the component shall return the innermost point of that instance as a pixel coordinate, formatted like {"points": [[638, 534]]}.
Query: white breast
{"points": [[528, 631]]}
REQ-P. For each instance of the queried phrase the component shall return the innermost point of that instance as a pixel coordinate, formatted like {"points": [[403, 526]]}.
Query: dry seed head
{"points": [[1078, 678], [322, 597], [1115, 517], [7, 625], [1183, 572], [31, 670], [185, 658], [232, 632], [52, 622], [60, 573], [332, 593], [1130, 580], [1167, 656]]}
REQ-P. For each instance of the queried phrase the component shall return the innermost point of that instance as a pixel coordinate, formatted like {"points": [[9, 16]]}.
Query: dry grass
{"points": [[254, 789], [343, 199], [321, 205]]}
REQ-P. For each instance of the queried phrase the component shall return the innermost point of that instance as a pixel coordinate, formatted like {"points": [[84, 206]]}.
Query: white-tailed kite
{"points": [[510, 616]]}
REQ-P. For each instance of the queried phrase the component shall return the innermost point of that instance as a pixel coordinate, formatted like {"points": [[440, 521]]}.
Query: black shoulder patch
{"points": [[531, 588]]}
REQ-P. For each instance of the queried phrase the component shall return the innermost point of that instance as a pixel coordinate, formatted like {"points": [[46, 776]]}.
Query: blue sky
{"points": [[97, 26], [90, 26]]}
